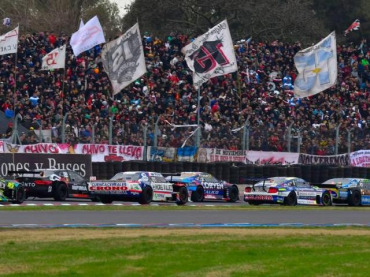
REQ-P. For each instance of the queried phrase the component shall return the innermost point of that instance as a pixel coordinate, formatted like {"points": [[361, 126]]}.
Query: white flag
{"points": [[55, 59], [123, 59], [87, 37], [211, 54], [9, 42], [317, 67], [81, 24]]}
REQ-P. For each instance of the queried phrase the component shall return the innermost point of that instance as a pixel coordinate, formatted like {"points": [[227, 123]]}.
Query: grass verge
{"points": [[186, 252]]}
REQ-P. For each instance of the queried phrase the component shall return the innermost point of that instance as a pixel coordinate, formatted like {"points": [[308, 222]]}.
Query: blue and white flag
{"points": [[317, 67]]}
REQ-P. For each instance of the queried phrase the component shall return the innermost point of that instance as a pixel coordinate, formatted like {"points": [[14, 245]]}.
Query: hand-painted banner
{"points": [[360, 158], [161, 154], [342, 160], [271, 158], [210, 155]]}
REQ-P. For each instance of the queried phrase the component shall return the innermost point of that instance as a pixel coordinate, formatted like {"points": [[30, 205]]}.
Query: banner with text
{"points": [[271, 158], [360, 158], [339, 160]]}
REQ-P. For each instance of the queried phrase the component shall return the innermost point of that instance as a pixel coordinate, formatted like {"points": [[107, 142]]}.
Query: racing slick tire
{"points": [[20, 195], [291, 199], [326, 199], [183, 196], [146, 196], [106, 199], [233, 194], [254, 203], [60, 191], [354, 198], [198, 194]]}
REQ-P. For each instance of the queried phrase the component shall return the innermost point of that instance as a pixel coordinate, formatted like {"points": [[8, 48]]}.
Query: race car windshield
{"points": [[272, 181], [338, 180], [126, 177]]}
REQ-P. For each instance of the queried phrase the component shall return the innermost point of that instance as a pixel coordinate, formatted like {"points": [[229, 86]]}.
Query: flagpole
{"points": [[15, 77], [198, 120]]}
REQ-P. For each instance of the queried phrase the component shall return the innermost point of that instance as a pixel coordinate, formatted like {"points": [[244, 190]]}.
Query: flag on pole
{"points": [[317, 67], [55, 59], [354, 27], [123, 59], [90, 35], [9, 42], [211, 54]]}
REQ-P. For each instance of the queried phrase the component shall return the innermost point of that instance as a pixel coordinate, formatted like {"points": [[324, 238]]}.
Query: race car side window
{"points": [[209, 178], [76, 177]]}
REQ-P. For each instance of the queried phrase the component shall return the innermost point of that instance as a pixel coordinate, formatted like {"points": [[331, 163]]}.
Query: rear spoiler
{"points": [[331, 186], [251, 180]]}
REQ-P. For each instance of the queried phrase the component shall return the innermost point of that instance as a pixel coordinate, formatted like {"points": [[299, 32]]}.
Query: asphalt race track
{"points": [[318, 216]]}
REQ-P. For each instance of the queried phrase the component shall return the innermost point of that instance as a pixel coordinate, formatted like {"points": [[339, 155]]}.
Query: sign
{"points": [[339, 160], [161, 154], [271, 158], [111, 153], [9, 42], [360, 158], [30, 162]]}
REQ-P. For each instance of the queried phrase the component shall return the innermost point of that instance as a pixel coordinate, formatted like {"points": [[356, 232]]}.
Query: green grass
{"points": [[185, 252]]}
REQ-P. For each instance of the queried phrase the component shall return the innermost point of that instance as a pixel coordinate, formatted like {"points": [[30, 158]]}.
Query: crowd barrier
{"points": [[238, 174]]}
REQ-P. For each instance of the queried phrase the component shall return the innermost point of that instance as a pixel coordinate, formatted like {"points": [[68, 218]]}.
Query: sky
{"points": [[121, 4]]}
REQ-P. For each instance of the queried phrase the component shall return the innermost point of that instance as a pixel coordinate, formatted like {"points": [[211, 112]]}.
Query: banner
{"points": [[339, 160], [55, 59], [29, 162], [88, 36], [210, 155], [161, 154], [123, 59], [111, 153], [187, 154], [360, 158], [211, 54], [9, 42], [317, 67], [353, 27], [271, 158]]}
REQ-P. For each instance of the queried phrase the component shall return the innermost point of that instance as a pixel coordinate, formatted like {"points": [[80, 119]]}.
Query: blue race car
{"points": [[288, 191], [11, 191], [204, 186], [351, 191]]}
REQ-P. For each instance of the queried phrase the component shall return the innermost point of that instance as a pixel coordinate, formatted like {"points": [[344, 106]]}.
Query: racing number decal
{"points": [[51, 58]]}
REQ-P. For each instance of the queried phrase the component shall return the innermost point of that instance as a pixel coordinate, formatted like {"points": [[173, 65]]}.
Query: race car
{"points": [[351, 191], [203, 186], [140, 186], [288, 191], [53, 183], [11, 191]]}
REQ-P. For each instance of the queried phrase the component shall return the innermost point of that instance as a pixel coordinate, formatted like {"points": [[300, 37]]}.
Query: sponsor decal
{"points": [[259, 197]]}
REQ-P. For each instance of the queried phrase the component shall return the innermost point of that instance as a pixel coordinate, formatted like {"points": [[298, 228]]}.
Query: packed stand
{"points": [[261, 92]]}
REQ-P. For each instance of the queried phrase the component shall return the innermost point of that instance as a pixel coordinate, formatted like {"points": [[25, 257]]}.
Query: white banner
{"points": [[88, 36], [271, 158], [123, 59], [55, 59], [211, 54], [360, 158], [9, 42], [210, 155], [317, 67]]}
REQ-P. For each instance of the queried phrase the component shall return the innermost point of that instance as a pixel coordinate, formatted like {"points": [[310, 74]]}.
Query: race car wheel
{"points": [[20, 195], [291, 199], [254, 203], [147, 195], [233, 194], [106, 199], [354, 198], [183, 196], [198, 194], [60, 191], [326, 199]]}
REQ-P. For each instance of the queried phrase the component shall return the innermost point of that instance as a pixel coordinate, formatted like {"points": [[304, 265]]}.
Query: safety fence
{"points": [[241, 174]]}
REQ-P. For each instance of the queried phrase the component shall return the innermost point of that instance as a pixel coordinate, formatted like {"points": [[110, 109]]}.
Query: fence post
{"points": [[337, 138], [299, 141], [289, 136], [93, 133], [245, 142], [349, 140], [155, 141], [110, 129], [198, 121], [145, 144], [64, 128], [15, 134]]}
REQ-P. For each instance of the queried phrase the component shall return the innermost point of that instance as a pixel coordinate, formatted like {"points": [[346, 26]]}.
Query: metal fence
{"points": [[319, 140]]}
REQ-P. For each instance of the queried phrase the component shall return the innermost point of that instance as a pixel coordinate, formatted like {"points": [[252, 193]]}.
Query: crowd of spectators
{"points": [[260, 92]]}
